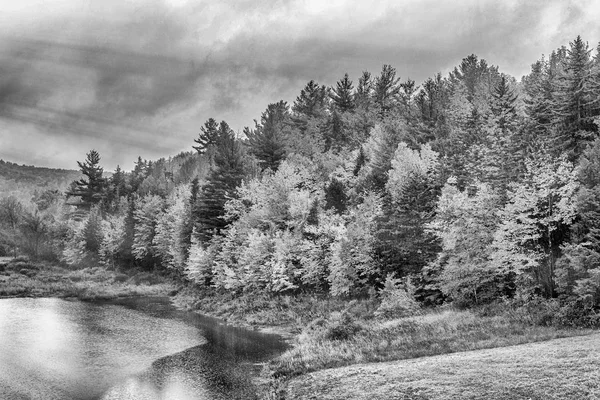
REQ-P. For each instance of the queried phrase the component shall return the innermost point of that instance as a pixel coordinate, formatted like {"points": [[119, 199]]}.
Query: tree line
{"points": [[468, 188]]}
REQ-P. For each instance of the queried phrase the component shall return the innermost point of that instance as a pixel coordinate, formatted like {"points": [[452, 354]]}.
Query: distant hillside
{"points": [[22, 179]]}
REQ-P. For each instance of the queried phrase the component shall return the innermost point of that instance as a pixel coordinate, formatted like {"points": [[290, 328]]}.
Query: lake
{"points": [[141, 348]]}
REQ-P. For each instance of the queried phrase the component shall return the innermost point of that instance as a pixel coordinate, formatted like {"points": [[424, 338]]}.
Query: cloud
{"points": [[140, 77]]}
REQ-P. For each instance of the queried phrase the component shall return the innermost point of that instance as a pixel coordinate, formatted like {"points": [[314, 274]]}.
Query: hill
{"points": [[25, 179]]}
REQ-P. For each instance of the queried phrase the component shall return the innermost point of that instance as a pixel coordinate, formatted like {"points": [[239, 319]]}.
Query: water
{"points": [[127, 349]]}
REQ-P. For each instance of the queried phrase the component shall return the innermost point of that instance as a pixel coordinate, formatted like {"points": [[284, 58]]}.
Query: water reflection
{"points": [[134, 349]]}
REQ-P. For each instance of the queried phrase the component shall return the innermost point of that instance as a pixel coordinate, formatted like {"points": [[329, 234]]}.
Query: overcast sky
{"points": [[140, 77]]}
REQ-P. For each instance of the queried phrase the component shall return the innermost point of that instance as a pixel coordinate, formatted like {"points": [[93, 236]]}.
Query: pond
{"points": [[141, 348]]}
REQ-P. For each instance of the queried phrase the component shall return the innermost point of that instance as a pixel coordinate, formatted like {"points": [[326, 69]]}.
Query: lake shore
{"points": [[328, 335], [24, 278], [329, 338]]}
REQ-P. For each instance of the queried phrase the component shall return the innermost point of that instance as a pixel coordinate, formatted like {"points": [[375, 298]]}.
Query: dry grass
{"points": [[30, 279], [563, 369], [449, 331]]}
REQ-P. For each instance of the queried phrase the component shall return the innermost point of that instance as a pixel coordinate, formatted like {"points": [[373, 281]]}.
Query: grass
{"points": [[566, 369], [341, 341], [22, 278], [286, 315]]}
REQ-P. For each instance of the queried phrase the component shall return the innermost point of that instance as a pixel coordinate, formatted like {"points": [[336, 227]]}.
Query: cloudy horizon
{"points": [[141, 77]]}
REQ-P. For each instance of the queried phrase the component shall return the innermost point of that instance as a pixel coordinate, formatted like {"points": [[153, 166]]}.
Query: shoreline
{"points": [[323, 334]]}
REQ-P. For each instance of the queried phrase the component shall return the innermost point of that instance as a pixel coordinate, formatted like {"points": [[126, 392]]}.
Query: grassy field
{"points": [[22, 278], [341, 341], [564, 369]]}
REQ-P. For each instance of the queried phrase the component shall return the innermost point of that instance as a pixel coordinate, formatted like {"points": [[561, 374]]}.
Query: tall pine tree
{"points": [[225, 176]]}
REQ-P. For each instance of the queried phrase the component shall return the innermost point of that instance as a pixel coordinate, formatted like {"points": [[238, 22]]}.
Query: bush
{"points": [[397, 299], [577, 314], [340, 326], [120, 278]]}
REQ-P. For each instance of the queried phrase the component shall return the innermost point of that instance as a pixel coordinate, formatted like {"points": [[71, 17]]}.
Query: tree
{"points": [[352, 263], [208, 136], [342, 95], [576, 101], [225, 176], [386, 90], [139, 173], [117, 187], [403, 244], [310, 104], [535, 221], [364, 91], [91, 188], [267, 140], [578, 271], [169, 240], [146, 215], [465, 222], [11, 214], [504, 104], [113, 230]]}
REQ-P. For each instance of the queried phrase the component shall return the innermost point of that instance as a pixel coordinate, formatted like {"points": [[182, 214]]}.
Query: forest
{"points": [[467, 189]]}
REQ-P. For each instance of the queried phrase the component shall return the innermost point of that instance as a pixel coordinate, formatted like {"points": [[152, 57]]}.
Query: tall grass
{"points": [[439, 332], [22, 278]]}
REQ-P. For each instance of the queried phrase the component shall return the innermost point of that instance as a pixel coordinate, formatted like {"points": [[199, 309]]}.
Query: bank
{"points": [[21, 277], [330, 339]]}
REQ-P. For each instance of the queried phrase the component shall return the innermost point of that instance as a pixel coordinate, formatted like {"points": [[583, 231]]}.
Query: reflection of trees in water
{"points": [[204, 368], [222, 368]]}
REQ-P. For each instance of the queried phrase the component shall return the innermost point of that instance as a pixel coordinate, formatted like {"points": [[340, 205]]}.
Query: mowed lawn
{"points": [[567, 368]]}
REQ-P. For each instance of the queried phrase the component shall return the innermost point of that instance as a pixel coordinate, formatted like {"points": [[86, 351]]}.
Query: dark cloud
{"points": [[140, 77]]}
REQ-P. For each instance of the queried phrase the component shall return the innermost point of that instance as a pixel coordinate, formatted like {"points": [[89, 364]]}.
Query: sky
{"points": [[133, 78]]}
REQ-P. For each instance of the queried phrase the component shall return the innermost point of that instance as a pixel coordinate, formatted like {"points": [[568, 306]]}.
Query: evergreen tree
{"points": [[225, 176], [578, 272], [91, 188], [504, 104], [335, 196], [311, 103], [207, 137], [386, 90], [139, 173], [342, 95], [117, 187], [403, 245], [575, 101], [364, 92], [267, 139]]}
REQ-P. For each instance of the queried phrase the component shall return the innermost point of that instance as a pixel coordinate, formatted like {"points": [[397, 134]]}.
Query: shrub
{"points": [[340, 326], [577, 314], [120, 278], [397, 299]]}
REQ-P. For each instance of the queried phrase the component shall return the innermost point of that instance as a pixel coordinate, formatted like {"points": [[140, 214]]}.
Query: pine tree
{"points": [[364, 91], [403, 245], [207, 137], [342, 95], [116, 188], [139, 173], [386, 90], [267, 139], [575, 100], [504, 104], [311, 103], [91, 188], [335, 132], [225, 176], [578, 273], [335, 196], [432, 100]]}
